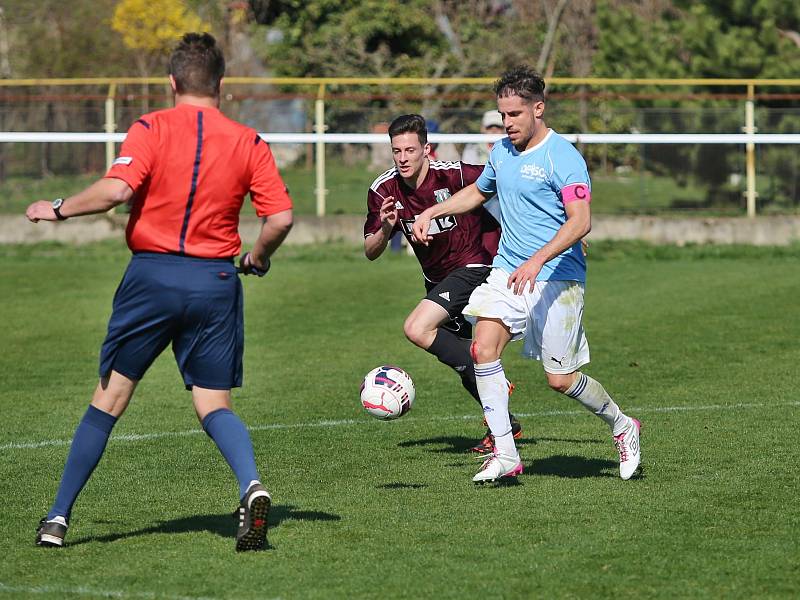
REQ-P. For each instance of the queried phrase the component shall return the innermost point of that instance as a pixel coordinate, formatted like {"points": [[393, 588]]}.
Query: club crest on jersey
{"points": [[441, 195]]}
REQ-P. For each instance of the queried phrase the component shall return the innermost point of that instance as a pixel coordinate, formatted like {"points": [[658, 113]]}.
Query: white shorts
{"points": [[549, 318]]}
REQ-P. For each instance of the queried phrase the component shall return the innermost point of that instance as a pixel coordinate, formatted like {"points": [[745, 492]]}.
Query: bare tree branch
{"points": [[444, 25], [552, 27], [5, 65], [792, 36]]}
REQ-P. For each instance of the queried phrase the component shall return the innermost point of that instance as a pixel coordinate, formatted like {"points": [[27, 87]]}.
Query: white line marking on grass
{"points": [[137, 437], [667, 409]]}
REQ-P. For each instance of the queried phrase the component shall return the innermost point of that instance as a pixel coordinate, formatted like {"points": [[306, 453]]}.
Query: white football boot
{"points": [[630, 453], [498, 465]]}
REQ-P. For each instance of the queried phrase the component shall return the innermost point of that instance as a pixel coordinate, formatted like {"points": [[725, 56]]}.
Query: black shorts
{"points": [[452, 294]]}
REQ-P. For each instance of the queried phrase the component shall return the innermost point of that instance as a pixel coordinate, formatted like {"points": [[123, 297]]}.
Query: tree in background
{"points": [[682, 38], [413, 38], [715, 39], [152, 28], [52, 38]]}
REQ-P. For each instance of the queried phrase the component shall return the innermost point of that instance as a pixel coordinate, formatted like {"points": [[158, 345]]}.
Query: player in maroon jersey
{"points": [[456, 261]]}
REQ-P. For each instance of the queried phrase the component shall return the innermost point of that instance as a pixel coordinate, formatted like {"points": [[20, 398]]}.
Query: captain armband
{"points": [[575, 192]]}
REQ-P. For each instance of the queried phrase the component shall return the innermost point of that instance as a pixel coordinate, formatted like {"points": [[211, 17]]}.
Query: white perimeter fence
{"points": [[748, 140]]}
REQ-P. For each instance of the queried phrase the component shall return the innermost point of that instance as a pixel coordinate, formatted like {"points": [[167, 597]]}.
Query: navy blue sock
{"points": [[88, 445], [231, 437]]}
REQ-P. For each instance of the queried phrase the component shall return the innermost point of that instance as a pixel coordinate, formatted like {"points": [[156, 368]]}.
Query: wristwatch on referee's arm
{"points": [[56, 204]]}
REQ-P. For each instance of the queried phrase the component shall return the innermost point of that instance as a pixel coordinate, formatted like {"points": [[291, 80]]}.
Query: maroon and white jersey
{"points": [[459, 240]]}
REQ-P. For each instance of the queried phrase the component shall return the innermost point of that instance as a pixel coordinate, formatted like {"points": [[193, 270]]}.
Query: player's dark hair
{"points": [[409, 124], [197, 65], [520, 81]]}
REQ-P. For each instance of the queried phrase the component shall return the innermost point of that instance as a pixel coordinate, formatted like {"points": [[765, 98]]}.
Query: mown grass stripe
{"points": [[137, 437], [50, 590]]}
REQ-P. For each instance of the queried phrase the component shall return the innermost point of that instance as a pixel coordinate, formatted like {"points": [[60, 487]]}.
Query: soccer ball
{"points": [[387, 392]]}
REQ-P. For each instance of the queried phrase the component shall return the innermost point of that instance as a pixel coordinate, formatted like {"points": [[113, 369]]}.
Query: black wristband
{"points": [[246, 266], [57, 204]]}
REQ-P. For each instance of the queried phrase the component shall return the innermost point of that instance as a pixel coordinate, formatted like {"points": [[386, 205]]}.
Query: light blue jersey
{"points": [[528, 185]]}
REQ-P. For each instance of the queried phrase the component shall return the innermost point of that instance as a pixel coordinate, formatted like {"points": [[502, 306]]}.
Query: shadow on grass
{"points": [[572, 467], [453, 444], [571, 440], [222, 525], [503, 482], [401, 486]]}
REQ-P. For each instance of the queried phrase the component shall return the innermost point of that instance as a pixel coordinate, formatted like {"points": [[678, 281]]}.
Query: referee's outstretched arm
{"points": [[103, 195]]}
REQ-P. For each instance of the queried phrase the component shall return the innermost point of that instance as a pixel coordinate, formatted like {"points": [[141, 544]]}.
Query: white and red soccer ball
{"points": [[387, 392]]}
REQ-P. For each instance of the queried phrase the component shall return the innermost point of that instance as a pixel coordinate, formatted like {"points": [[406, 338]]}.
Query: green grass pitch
{"points": [[701, 344]]}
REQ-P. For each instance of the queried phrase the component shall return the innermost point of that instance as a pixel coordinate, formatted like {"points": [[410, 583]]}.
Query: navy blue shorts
{"points": [[194, 303]]}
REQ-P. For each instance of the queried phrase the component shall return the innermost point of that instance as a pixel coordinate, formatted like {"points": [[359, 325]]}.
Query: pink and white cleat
{"points": [[497, 466], [630, 454]]}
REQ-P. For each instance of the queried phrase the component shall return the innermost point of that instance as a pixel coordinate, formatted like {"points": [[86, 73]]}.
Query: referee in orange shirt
{"points": [[186, 171]]}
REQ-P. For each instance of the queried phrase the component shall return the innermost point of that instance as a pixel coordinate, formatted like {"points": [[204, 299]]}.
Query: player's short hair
{"points": [[521, 81], [410, 124], [197, 65]]}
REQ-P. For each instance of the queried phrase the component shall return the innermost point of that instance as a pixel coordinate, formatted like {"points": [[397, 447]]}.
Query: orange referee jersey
{"points": [[190, 168]]}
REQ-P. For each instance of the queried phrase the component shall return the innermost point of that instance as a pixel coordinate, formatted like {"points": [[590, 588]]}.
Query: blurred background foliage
{"points": [[431, 38]]}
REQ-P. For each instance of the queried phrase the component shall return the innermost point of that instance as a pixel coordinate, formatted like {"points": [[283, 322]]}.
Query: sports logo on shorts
{"points": [[123, 160], [441, 195], [445, 295]]}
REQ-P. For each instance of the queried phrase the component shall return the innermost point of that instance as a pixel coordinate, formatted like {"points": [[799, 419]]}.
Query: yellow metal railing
{"points": [[315, 81], [749, 86]]}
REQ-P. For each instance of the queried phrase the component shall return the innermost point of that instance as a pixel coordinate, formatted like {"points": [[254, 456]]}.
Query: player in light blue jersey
{"points": [[535, 289], [529, 187]]}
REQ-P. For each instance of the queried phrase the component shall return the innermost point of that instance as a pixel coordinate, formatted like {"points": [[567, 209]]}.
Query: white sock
{"points": [[593, 396], [493, 390]]}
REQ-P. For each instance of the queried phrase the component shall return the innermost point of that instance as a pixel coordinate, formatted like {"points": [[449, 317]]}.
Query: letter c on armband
{"points": [[576, 192]]}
